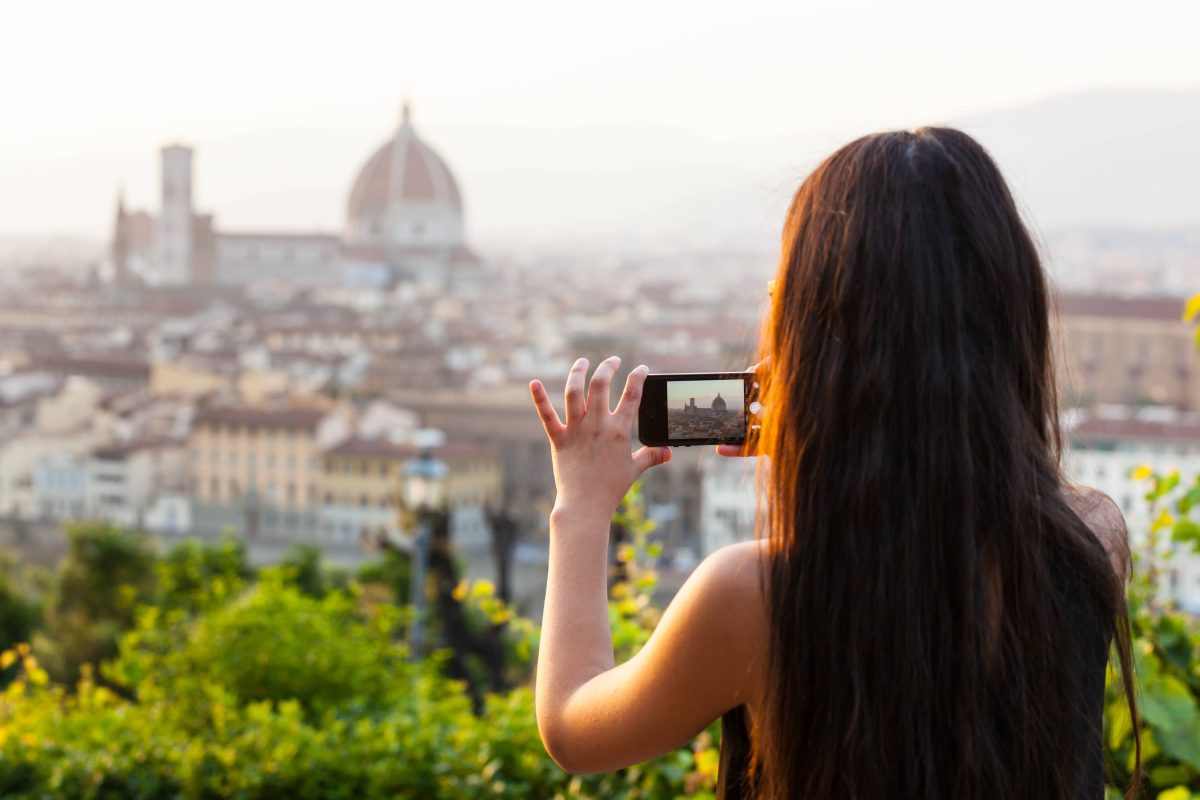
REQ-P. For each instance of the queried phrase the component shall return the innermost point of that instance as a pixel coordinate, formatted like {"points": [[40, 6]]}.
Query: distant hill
{"points": [[1120, 157], [1126, 158]]}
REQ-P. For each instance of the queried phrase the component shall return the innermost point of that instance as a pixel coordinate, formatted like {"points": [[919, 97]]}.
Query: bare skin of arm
{"points": [[593, 715]]}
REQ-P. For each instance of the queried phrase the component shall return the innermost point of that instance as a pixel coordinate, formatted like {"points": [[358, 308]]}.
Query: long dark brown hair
{"points": [[917, 524]]}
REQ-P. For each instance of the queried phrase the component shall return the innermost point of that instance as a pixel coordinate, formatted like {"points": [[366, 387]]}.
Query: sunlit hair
{"points": [[917, 526]]}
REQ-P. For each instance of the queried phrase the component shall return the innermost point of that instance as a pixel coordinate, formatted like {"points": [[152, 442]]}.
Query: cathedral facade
{"points": [[404, 222]]}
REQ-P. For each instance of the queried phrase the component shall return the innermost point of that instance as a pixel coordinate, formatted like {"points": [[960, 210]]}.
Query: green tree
{"points": [[18, 613], [98, 586]]}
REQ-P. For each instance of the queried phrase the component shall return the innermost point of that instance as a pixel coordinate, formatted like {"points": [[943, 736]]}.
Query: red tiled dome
{"points": [[403, 170]]}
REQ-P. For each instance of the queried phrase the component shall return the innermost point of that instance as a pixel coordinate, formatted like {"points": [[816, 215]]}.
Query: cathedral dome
{"points": [[718, 403], [405, 196]]}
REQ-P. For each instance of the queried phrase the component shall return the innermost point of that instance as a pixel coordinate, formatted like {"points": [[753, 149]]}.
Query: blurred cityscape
{"points": [[192, 381]]}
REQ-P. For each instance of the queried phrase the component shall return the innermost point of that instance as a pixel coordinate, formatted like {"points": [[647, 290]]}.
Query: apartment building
{"points": [[363, 483], [1130, 351], [257, 469]]}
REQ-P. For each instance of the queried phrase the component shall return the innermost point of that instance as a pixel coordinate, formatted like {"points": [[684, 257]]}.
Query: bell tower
{"points": [[174, 234]]}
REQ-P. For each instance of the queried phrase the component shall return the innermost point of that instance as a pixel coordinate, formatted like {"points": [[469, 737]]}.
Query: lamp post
{"points": [[425, 490]]}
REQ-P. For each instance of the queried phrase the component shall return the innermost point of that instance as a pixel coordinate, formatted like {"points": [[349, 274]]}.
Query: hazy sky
{"points": [[560, 119]]}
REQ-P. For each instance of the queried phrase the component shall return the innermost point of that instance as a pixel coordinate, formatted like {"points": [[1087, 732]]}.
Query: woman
{"points": [[927, 609]]}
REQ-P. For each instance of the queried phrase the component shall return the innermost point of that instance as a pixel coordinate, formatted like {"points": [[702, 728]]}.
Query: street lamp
{"points": [[424, 493]]}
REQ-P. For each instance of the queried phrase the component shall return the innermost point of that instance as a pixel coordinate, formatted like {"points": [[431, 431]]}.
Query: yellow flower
{"points": [[7, 659], [460, 591], [1142, 473], [1191, 311]]}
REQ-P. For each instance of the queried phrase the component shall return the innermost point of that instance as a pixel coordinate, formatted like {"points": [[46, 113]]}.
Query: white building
{"points": [[60, 426], [1109, 443], [125, 481], [727, 502], [60, 487], [169, 513]]}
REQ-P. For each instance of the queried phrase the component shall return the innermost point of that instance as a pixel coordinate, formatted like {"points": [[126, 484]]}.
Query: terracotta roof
{"points": [[1176, 428], [373, 448], [96, 363], [465, 450], [1167, 309], [403, 169], [451, 451], [254, 416], [329, 238], [115, 452]]}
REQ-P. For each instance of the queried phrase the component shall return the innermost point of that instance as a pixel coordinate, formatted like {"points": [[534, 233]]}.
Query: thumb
{"points": [[648, 457]]}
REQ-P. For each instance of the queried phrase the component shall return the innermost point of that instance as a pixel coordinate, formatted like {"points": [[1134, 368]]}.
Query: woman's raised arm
{"points": [[700, 661]]}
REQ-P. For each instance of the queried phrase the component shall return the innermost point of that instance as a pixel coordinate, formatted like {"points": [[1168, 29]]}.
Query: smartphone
{"points": [[689, 408]]}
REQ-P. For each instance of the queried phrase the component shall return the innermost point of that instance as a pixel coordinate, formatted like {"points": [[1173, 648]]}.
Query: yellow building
{"points": [[189, 379], [1126, 351], [198, 378], [362, 479], [258, 469]]}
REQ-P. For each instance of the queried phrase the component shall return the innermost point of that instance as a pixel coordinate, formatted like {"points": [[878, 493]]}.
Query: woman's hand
{"points": [[756, 410], [593, 467]]}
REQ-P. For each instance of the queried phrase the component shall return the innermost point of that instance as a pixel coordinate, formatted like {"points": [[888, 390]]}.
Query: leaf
{"points": [[1163, 521], [1166, 483], [1178, 793], [1170, 776], [1191, 310], [1169, 707], [1187, 532]]}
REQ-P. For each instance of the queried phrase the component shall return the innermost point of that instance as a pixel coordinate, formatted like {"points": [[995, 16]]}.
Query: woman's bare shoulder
{"points": [[734, 572], [1103, 516]]}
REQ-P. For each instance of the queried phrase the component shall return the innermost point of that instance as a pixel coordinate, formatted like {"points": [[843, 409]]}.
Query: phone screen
{"points": [[694, 408]]}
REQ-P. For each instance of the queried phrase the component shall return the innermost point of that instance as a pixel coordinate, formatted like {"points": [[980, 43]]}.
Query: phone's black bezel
{"points": [[652, 413]]}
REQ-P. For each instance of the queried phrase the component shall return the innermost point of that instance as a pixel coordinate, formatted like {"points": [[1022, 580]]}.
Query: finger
{"points": [[732, 450], [631, 398], [545, 410], [573, 393], [648, 457], [600, 389]]}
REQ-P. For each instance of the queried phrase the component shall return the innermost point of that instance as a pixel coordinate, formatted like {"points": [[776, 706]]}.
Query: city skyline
{"points": [[600, 139]]}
